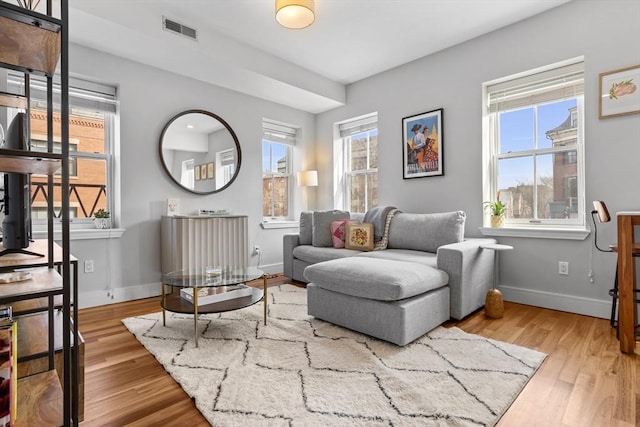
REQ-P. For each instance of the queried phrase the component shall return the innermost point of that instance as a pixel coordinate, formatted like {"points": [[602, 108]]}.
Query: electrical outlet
{"points": [[563, 268], [88, 266], [256, 250]]}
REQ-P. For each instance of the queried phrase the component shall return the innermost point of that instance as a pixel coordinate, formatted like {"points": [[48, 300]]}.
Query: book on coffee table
{"points": [[216, 294]]}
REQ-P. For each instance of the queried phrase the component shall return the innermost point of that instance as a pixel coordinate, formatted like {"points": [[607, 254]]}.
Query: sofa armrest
{"points": [[289, 242], [470, 269]]}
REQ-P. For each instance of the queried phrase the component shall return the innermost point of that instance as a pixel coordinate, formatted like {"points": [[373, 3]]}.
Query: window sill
{"points": [[279, 224], [83, 234], [537, 233]]}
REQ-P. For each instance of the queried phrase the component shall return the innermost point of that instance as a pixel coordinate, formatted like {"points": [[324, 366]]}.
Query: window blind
{"points": [[82, 93], [356, 126], [277, 132], [538, 88]]}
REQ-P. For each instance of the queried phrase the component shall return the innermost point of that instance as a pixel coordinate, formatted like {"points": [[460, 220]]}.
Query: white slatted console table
{"points": [[190, 243]]}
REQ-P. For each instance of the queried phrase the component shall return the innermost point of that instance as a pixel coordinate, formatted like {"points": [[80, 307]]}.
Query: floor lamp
{"points": [[307, 179]]}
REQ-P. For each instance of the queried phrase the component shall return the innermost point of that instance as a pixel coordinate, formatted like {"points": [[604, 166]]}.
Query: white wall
{"points": [[606, 33], [149, 97]]}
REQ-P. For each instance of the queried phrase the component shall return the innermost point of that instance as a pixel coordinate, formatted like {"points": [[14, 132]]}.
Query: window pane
{"points": [[359, 152], [555, 122], [280, 199], [373, 149], [88, 191], [372, 193], [516, 130], [564, 200], [515, 182], [275, 188], [358, 193]]}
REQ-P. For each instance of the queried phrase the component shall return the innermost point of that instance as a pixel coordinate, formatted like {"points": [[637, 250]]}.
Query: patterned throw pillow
{"points": [[338, 232], [359, 237]]}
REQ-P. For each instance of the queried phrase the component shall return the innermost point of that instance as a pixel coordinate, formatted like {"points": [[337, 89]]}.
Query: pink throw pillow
{"points": [[338, 232]]}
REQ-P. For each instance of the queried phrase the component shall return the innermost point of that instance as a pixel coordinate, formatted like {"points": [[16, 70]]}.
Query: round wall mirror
{"points": [[200, 152]]}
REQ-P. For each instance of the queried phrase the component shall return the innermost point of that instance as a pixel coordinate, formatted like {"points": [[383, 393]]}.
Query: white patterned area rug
{"points": [[301, 371]]}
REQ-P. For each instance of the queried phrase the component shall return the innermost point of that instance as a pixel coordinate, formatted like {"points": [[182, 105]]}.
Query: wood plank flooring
{"points": [[585, 380]]}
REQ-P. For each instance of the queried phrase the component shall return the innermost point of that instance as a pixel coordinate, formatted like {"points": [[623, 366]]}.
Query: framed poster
{"points": [[619, 94], [210, 170], [203, 171], [423, 144], [196, 172]]}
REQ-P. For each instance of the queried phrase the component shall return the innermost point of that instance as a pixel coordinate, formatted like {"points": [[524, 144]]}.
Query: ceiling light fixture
{"points": [[295, 14]]}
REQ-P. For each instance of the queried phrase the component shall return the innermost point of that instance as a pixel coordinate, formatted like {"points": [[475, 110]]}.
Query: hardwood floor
{"points": [[585, 380]]}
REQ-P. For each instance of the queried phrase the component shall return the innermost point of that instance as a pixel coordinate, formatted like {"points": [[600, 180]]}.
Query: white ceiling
{"points": [[241, 47]]}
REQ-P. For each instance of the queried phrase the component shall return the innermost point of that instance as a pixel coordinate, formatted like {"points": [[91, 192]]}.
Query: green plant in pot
{"points": [[101, 219], [497, 209]]}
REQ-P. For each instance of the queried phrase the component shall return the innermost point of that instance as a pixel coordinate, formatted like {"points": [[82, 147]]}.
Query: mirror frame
{"points": [[233, 135]]}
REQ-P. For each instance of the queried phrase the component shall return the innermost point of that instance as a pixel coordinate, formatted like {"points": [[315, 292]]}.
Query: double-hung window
{"points": [[359, 140], [92, 128], [278, 141], [533, 144]]}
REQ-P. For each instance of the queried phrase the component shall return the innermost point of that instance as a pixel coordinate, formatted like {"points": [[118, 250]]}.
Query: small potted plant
{"points": [[101, 219], [497, 210]]}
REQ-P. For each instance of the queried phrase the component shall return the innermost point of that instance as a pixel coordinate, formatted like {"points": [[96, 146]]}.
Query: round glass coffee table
{"points": [[210, 284]]}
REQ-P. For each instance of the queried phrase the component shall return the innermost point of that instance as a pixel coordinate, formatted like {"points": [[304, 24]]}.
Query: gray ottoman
{"points": [[395, 301]]}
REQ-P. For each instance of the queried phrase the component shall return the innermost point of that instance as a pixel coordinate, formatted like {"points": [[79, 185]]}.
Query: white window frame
{"points": [[508, 94], [345, 130], [274, 132], [87, 95]]}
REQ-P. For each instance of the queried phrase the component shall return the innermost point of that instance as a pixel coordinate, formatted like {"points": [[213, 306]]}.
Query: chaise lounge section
{"points": [[427, 274]]}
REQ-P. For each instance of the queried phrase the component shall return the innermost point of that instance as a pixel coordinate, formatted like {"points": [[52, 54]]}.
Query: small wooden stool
{"points": [[493, 304]]}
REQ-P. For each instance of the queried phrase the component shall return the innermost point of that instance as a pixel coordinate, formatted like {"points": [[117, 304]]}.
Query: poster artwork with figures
{"points": [[423, 142]]}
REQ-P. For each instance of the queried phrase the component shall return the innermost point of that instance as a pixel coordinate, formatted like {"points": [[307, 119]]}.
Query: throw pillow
{"points": [[359, 237], [322, 226], [338, 232], [426, 232]]}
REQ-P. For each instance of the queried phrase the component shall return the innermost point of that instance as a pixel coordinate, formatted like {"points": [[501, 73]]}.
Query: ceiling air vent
{"points": [[176, 27]]}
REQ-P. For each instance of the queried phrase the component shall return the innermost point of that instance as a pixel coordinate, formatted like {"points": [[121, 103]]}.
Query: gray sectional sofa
{"points": [[427, 274]]}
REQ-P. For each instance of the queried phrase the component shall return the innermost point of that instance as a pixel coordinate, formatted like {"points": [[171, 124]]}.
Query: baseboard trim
{"points": [[129, 293], [568, 303], [115, 295]]}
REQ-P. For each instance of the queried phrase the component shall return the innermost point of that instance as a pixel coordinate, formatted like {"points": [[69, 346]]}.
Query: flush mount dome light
{"points": [[295, 14]]}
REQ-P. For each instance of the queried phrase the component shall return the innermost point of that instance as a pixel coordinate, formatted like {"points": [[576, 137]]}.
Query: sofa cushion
{"points": [[408, 255], [322, 226], [312, 254], [426, 232], [306, 228], [378, 279]]}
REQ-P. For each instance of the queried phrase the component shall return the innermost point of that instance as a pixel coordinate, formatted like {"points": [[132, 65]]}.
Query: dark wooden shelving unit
{"points": [[49, 343]]}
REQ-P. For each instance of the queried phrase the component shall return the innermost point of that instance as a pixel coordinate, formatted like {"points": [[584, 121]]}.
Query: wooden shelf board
{"points": [[21, 161], [40, 400], [30, 17], [40, 246], [13, 100], [28, 42], [45, 281], [33, 334]]}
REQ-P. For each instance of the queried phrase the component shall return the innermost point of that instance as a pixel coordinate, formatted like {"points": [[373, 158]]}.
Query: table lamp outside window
{"points": [[307, 179]]}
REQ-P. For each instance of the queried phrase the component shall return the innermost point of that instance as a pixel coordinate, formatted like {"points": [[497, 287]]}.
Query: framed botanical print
{"points": [[619, 94]]}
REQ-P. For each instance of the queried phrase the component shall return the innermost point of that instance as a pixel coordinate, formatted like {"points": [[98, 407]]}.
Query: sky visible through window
{"points": [[517, 131], [270, 162]]}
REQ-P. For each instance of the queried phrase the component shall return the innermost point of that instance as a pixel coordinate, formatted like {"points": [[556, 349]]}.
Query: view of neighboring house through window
{"points": [[92, 109], [534, 146], [360, 161], [278, 141]]}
